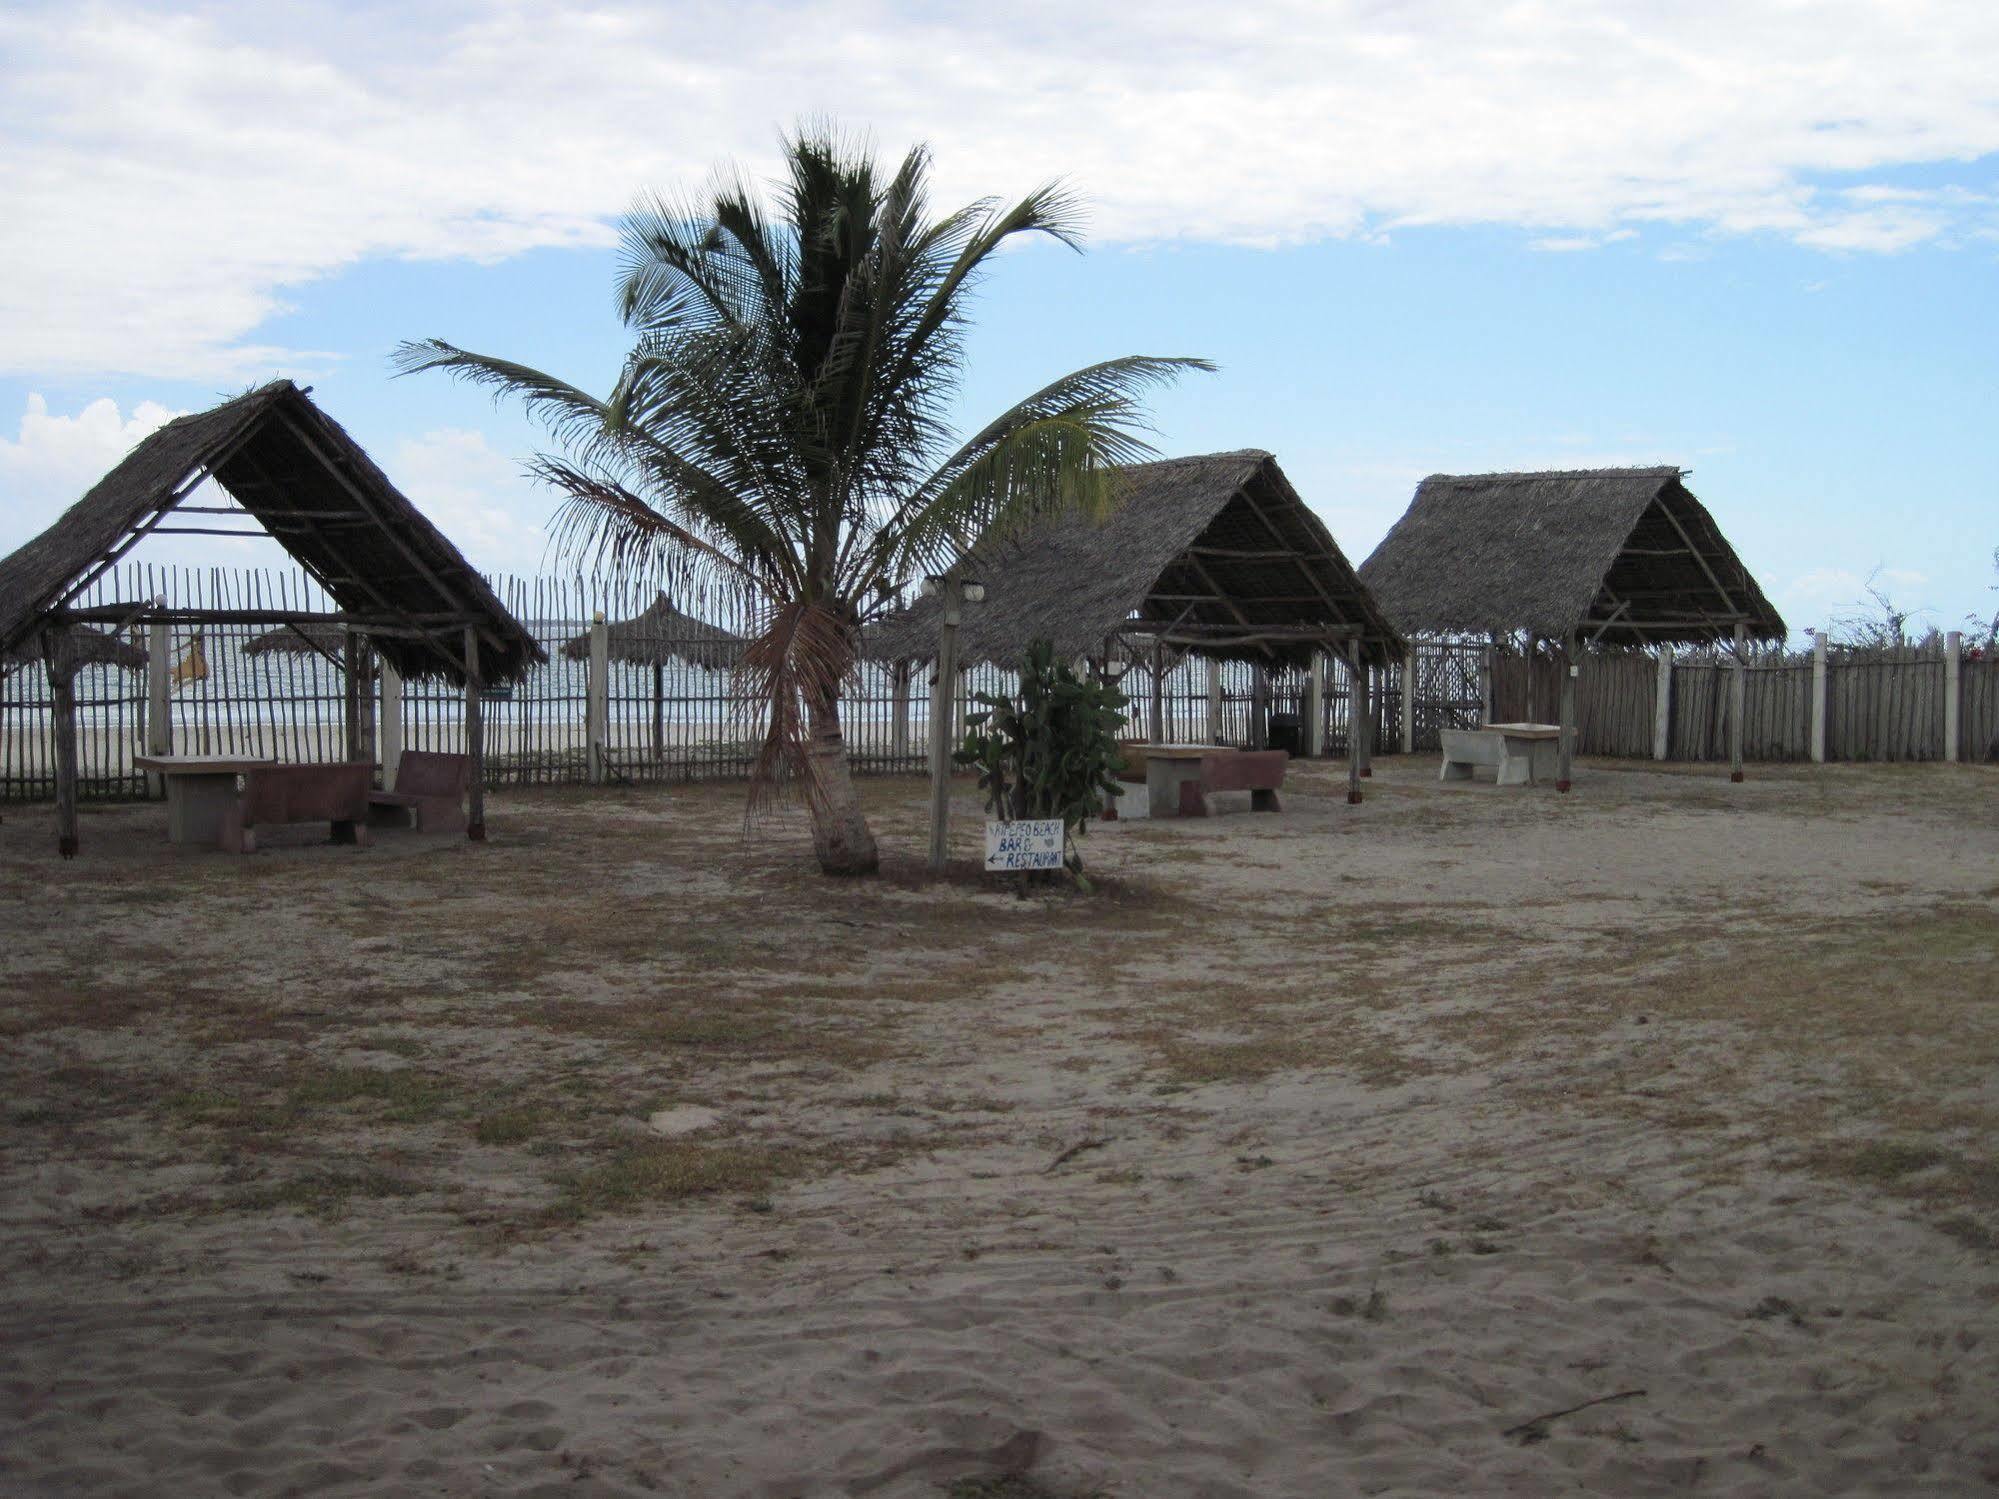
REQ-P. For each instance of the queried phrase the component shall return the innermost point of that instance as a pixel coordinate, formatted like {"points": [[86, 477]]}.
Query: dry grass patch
{"points": [[667, 1170]]}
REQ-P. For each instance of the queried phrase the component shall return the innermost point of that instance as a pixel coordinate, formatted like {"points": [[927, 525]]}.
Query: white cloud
{"points": [[475, 495], [54, 459], [169, 175]]}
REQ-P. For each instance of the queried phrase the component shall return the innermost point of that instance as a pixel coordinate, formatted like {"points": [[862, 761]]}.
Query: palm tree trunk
{"points": [[840, 833]]}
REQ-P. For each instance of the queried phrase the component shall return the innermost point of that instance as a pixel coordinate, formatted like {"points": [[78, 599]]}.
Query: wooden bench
{"points": [[429, 793], [277, 794], [1518, 753]]}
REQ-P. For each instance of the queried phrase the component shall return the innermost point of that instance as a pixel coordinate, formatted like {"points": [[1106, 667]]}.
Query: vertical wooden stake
{"points": [[1485, 669], [1214, 701], [943, 708], [1409, 701], [597, 696], [1360, 712], [475, 740], [1662, 706], [389, 723], [1738, 697], [1259, 708], [1818, 695], [1571, 664], [1313, 741], [1953, 695]]}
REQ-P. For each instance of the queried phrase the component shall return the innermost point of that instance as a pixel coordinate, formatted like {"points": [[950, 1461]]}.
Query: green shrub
{"points": [[1051, 750]]}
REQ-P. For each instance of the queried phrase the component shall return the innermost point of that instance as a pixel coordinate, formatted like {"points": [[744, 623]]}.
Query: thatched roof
{"points": [[663, 634], [1207, 553], [1554, 553], [308, 484], [88, 647], [299, 640]]}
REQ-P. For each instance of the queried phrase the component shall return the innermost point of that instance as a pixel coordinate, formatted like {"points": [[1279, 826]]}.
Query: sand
{"points": [[1078, 1227]]}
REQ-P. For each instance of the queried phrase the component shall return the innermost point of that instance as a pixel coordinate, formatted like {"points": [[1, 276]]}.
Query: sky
{"points": [[1758, 239]]}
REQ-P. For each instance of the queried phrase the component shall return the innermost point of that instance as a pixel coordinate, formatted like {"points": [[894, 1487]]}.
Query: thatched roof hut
{"points": [[1214, 555], [1626, 556], [293, 472], [297, 474], [88, 647], [662, 634]]}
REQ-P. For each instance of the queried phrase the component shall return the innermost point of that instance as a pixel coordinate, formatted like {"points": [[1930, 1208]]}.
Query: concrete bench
{"points": [[1179, 777], [1518, 753], [279, 794], [429, 793]]}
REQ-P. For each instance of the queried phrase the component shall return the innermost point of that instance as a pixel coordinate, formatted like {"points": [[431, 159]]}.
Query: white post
{"points": [[899, 731], [1409, 702], [1662, 706], [1953, 687], [389, 722], [159, 702], [597, 696], [1313, 740], [1214, 702], [1818, 696]]}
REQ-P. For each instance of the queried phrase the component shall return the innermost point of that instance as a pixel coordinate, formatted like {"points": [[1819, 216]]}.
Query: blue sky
{"points": [[1418, 238]]}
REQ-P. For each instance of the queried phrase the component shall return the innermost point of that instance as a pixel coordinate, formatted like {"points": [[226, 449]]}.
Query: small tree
{"points": [[1050, 751]]}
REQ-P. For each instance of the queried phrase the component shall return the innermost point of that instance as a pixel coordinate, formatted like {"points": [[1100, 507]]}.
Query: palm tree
{"points": [[780, 429]]}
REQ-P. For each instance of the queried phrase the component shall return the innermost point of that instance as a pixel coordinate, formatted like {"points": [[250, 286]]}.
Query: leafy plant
{"points": [[1049, 751]]}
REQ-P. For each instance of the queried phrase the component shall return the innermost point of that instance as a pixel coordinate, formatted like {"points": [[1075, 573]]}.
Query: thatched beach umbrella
{"points": [[659, 635], [88, 647], [664, 634], [325, 640]]}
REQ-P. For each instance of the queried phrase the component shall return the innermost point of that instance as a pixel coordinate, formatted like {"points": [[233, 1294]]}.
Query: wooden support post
{"points": [[60, 661], [159, 697], [1313, 740], [475, 739], [1259, 708], [1214, 701], [1953, 695], [1662, 706], [1360, 713], [658, 711], [1409, 701], [1818, 695], [1571, 665], [943, 709], [1485, 669], [1157, 727], [350, 695], [597, 696], [1738, 699], [389, 723], [899, 723], [1356, 725]]}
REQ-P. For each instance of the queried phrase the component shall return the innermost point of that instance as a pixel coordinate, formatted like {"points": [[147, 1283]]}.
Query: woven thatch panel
{"points": [[1551, 553]]}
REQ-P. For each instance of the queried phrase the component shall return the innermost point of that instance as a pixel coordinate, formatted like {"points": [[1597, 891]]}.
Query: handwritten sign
{"points": [[1033, 844]]}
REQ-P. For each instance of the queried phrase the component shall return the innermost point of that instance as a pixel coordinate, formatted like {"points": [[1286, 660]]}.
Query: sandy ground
{"points": [[1315, 1154]]}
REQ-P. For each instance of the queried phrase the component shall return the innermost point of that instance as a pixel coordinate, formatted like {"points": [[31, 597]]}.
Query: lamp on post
{"points": [[954, 593]]}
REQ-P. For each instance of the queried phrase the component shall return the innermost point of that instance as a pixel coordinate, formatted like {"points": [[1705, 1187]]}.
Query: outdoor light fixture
{"points": [[933, 584], [975, 593]]}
